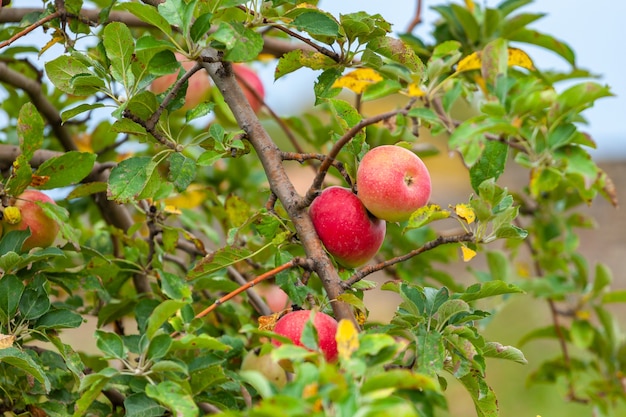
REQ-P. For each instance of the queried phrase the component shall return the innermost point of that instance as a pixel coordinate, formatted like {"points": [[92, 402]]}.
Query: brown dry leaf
{"points": [[6, 340]]}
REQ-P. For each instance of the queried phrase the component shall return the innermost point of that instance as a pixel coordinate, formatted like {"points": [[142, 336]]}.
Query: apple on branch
{"points": [[30, 215], [292, 324], [348, 231], [393, 182]]}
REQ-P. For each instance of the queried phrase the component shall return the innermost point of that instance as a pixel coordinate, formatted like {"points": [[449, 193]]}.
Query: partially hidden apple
{"points": [[42, 228], [292, 324], [277, 299], [348, 231], [247, 77], [198, 85], [393, 182], [267, 366]]}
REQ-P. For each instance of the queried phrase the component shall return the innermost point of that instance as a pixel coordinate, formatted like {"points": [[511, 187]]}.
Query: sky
{"points": [[595, 31]]}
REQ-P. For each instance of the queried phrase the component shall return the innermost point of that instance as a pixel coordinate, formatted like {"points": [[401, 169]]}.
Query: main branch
{"points": [[271, 158]]}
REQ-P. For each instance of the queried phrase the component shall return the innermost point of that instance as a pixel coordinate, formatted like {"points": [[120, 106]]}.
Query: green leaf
{"points": [[29, 130], [217, 260], [11, 289], [21, 176], [577, 98], [66, 169], [317, 23], [616, 296], [203, 342], [120, 46], [425, 215], [21, 360], [582, 333], [182, 171], [111, 344], [496, 350], [544, 179], [483, 396], [170, 366], [449, 309], [62, 71], [34, 304], [398, 51], [80, 109], [139, 404], [490, 165], [130, 177], [84, 190], [400, 379], [59, 319], [241, 43], [159, 346], [431, 353], [468, 22], [161, 314], [174, 286], [91, 387], [293, 60], [147, 14], [363, 26], [534, 37], [488, 289], [603, 278], [201, 26], [174, 397]]}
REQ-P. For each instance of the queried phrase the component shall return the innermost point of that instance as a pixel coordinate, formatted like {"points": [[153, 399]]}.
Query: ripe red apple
{"points": [[250, 78], [198, 85], [267, 366], [393, 182], [291, 325], [349, 233], [42, 228]]}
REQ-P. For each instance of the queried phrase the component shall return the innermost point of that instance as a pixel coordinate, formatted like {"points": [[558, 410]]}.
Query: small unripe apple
{"points": [[42, 228], [393, 182], [291, 325], [198, 85], [350, 234], [267, 366], [277, 299], [247, 74]]}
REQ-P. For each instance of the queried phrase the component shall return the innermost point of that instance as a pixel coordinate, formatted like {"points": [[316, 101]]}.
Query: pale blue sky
{"points": [[595, 30]]}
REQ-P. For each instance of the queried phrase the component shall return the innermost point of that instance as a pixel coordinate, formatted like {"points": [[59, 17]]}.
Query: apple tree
{"points": [[182, 250]]}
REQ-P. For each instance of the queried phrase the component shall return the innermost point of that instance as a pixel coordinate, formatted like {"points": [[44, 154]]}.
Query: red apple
{"points": [[42, 228], [291, 325], [246, 76], [198, 85], [349, 233], [393, 182]]}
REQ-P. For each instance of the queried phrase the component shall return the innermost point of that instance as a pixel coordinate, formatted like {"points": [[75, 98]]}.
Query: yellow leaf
{"points": [[414, 90], [6, 340], [470, 62], [470, 5], [358, 80], [190, 198], [517, 57], [465, 212], [57, 37], [468, 253], [347, 338]]}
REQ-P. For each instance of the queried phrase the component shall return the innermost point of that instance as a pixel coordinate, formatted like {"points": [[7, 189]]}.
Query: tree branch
{"points": [[271, 158], [370, 269]]}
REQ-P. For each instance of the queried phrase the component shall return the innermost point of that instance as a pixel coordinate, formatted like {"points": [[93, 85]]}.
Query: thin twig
{"points": [[370, 269], [30, 28], [417, 18]]}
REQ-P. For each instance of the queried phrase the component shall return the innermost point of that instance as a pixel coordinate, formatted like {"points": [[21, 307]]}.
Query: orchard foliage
{"points": [[167, 214]]}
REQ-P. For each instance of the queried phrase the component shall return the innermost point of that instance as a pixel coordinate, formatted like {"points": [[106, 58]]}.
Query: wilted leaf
{"points": [[347, 339], [358, 80]]}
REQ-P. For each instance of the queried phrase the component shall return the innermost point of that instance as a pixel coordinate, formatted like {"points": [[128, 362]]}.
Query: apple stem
{"points": [[370, 269]]}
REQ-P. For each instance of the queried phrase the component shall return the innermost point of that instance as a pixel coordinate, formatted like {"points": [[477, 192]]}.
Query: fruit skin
{"points": [[277, 299], [42, 228], [267, 366], [393, 182], [349, 233], [253, 80], [291, 325], [198, 85]]}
